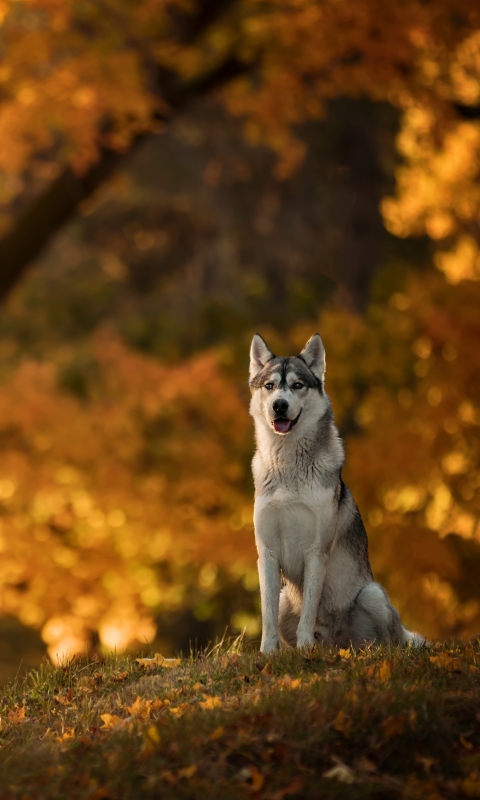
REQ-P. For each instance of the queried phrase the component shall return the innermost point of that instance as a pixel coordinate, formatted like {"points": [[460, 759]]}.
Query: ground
{"points": [[230, 723]]}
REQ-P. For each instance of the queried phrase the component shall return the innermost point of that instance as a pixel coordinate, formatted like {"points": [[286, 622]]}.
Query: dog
{"points": [[316, 582]]}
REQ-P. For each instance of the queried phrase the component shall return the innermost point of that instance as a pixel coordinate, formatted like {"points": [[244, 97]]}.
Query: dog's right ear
{"points": [[259, 355]]}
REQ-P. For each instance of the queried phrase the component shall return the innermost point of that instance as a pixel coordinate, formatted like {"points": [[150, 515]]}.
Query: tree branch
{"points": [[52, 209]]}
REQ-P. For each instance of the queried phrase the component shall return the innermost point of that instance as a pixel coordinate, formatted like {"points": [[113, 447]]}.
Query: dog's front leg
{"points": [[313, 577], [269, 576]]}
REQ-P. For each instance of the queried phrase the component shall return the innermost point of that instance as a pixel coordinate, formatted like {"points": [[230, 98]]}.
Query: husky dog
{"points": [[308, 529]]}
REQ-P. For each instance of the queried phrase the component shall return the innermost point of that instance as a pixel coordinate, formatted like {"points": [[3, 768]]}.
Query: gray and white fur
{"points": [[309, 533]]}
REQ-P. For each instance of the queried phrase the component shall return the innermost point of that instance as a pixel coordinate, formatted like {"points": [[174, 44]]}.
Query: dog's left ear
{"points": [[259, 355], [314, 355]]}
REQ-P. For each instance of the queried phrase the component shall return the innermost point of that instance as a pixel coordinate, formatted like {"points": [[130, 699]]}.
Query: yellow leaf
{"points": [[464, 741], [445, 661], [267, 669], [140, 708], [345, 653], [471, 785], [200, 687], [111, 721], [179, 711], [211, 702], [152, 734], [217, 733], [187, 772], [381, 671], [342, 724], [158, 661]]}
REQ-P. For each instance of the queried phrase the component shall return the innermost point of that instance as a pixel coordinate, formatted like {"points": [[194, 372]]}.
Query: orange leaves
{"points": [[381, 672], [158, 661]]}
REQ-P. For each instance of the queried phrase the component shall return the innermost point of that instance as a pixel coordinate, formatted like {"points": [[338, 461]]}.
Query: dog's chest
{"points": [[290, 525]]}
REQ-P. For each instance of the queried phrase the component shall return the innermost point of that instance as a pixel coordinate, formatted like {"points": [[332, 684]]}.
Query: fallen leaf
{"points": [[446, 661], [295, 787], [267, 669], [340, 772], [464, 741], [118, 677], [289, 683], [393, 726], [471, 785], [200, 687], [427, 763], [345, 653], [17, 715], [381, 671], [110, 721], [211, 702], [187, 772], [179, 711], [140, 708], [342, 724], [217, 733], [66, 735], [158, 661], [252, 774], [169, 777]]}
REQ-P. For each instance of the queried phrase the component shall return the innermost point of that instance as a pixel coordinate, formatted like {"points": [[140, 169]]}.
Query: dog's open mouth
{"points": [[285, 425]]}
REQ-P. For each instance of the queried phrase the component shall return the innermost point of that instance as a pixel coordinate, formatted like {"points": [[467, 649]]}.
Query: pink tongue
{"points": [[282, 425]]}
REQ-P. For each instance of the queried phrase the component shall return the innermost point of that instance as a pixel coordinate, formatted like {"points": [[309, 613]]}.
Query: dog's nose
{"points": [[280, 406]]}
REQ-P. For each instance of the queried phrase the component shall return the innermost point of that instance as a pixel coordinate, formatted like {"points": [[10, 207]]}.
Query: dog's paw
{"points": [[269, 645], [305, 639]]}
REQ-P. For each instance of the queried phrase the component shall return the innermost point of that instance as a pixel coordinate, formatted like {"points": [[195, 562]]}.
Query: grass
{"points": [[232, 724]]}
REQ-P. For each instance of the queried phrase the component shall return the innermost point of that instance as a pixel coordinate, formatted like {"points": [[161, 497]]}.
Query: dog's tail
{"points": [[374, 619]]}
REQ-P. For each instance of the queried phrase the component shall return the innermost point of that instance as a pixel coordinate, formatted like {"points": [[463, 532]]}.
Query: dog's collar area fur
{"points": [[291, 422]]}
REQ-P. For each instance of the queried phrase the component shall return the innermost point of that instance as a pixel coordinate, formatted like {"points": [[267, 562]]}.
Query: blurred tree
{"points": [[83, 83]]}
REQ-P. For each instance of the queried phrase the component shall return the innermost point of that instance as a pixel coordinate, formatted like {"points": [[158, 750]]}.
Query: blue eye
{"points": [[297, 385], [269, 386]]}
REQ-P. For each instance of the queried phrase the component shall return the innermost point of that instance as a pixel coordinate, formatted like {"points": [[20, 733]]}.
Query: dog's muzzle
{"points": [[281, 425]]}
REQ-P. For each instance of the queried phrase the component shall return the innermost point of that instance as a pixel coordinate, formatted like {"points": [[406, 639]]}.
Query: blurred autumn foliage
{"points": [[125, 489]]}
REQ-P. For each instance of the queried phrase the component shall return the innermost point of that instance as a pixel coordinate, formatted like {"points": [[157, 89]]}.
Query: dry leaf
{"points": [[464, 741], [289, 683], [217, 733], [267, 669], [118, 677], [111, 721], [393, 726], [140, 708], [342, 724], [17, 715], [179, 711], [447, 662], [427, 763], [471, 785], [254, 775], [295, 787], [158, 661], [211, 702], [345, 653], [340, 772], [187, 772], [200, 687], [381, 671]]}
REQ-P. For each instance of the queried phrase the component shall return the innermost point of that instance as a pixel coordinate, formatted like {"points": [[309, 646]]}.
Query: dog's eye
{"points": [[297, 385], [269, 386]]}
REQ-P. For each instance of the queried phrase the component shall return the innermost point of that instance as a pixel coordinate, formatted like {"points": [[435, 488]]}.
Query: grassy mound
{"points": [[232, 724]]}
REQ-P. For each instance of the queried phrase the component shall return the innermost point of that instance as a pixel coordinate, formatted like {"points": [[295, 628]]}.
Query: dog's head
{"points": [[286, 391]]}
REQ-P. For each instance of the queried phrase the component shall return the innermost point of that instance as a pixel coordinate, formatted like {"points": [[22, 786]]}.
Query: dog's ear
{"points": [[259, 355], [314, 355]]}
